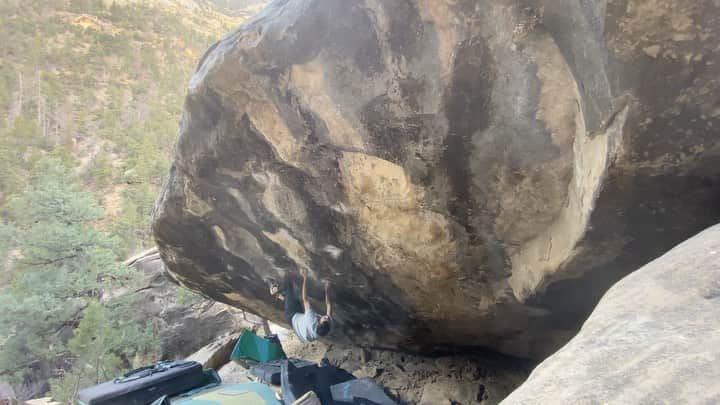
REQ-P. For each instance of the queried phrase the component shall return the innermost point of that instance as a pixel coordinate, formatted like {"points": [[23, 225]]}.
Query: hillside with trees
{"points": [[90, 97]]}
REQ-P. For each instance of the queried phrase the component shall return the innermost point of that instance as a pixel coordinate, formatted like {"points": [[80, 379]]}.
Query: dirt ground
{"points": [[408, 378], [414, 379]]}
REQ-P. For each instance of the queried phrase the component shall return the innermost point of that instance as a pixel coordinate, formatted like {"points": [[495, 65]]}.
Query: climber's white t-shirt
{"points": [[305, 324]]}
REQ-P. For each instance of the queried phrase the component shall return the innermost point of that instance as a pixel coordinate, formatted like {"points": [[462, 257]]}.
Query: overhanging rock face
{"points": [[467, 173]]}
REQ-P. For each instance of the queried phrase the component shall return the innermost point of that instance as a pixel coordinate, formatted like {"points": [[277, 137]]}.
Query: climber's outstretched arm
{"points": [[306, 303], [328, 306]]}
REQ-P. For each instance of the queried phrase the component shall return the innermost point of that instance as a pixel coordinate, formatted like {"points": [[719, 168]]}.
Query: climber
{"points": [[306, 323]]}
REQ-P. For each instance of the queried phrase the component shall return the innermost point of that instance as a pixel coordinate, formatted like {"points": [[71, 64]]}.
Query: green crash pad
{"points": [[252, 347], [236, 394]]}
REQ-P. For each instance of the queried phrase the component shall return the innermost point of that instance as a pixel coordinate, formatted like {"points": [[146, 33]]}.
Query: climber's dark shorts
{"points": [[292, 304]]}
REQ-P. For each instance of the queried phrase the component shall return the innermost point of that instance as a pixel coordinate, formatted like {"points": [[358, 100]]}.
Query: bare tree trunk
{"points": [[56, 121], [17, 106], [39, 99], [76, 388], [40, 106], [21, 93]]}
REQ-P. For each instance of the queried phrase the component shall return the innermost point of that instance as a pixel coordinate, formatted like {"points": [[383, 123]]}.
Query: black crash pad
{"points": [[296, 381]]}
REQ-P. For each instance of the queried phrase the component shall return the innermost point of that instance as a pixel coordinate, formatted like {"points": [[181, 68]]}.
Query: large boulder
{"points": [[7, 394], [185, 324], [467, 173], [653, 338], [215, 354]]}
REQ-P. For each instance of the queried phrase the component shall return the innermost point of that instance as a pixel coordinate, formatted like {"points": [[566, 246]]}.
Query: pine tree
{"points": [[94, 352], [65, 264]]}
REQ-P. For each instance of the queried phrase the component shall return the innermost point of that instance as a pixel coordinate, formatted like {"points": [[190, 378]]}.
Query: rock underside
{"points": [[652, 339], [184, 327], [467, 173]]}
